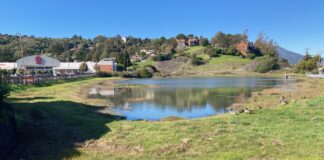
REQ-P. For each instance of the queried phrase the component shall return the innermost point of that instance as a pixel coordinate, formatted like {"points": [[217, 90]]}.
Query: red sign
{"points": [[38, 60]]}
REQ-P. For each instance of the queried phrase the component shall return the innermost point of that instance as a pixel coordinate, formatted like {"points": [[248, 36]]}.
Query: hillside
{"points": [[292, 57], [181, 66]]}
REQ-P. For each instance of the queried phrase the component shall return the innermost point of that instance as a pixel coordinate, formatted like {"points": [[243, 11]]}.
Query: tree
{"points": [[223, 40], [265, 46], [203, 41], [181, 36], [99, 39], [124, 59], [265, 64], [83, 67], [219, 40], [308, 64], [96, 67], [213, 52]]}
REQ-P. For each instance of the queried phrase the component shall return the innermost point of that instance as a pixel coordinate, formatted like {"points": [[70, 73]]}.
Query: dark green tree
{"points": [[83, 67]]}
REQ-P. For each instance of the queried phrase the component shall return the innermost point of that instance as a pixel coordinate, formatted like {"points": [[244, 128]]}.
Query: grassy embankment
{"points": [[56, 123], [223, 65]]}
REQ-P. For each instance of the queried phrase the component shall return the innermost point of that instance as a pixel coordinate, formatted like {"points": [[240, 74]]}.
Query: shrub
{"points": [[196, 60], [84, 67], [162, 57], [265, 64], [232, 51], [21, 71], [308, 64], [120, 67], [31, 72], [213, 52], [39, 72], [145, 72]]}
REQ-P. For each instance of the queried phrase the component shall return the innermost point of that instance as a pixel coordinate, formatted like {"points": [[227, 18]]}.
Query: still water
{"points": [[182, 97]]}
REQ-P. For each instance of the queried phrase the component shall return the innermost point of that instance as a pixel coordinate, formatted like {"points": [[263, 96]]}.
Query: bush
{"points": [[84, 67], [120, 67], [145, 72], [232, 51], [265, 64], [39, 72], [213, 52], [196, 60], [308, 64], [162, 57], [31, 72]]}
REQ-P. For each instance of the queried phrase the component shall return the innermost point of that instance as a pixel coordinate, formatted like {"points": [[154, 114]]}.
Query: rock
{"points": [[283, 100], [247, 110]]}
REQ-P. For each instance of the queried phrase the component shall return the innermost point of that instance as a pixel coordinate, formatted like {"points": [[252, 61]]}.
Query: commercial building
{"points": [[43, 63]]}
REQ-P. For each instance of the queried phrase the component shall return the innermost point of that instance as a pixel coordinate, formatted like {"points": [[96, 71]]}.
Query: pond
{"points": [[181, 97]]}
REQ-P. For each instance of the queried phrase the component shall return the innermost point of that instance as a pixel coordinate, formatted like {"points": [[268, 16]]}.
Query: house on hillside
{"points": [[181, 43], [193, 41], [136, 58], [150, 52], [244, 47]]}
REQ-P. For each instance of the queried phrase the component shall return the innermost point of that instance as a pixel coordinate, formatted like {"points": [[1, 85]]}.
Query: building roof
{"points": [[74, 66], [106, 63], [44, 61], [68, 65]]}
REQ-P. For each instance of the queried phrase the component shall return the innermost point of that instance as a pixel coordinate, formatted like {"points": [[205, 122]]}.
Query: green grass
{"points": [[144, 63], [224, 63], [199, 51], [195, 50], [53, 121], [18, 87], [226, 59]]}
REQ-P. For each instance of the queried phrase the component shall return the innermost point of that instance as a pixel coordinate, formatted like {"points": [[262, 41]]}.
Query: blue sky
{"points": [[294, 24]]}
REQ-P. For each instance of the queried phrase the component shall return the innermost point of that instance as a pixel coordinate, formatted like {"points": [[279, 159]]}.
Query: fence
{"points": [[39, 78]]}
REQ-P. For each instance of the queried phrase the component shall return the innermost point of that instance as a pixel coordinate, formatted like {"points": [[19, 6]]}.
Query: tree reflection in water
{"points": [[186, 100]]}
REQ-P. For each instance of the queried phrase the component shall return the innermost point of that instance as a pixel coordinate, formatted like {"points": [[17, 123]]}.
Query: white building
{"points": [[8, 65], [73, 68], [37, 63], [43, 63]]}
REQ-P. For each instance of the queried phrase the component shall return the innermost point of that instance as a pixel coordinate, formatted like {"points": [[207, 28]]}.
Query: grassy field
{"points": [[224, 64], [55, 122]]}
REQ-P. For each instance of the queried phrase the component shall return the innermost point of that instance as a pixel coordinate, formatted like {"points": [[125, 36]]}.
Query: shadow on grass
{"points": [[30, 98], [53, 130], [20, 87]]}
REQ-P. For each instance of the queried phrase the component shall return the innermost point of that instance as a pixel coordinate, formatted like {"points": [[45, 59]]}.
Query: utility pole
{"points": [[21, 48], [21, 45], [307, 51]]}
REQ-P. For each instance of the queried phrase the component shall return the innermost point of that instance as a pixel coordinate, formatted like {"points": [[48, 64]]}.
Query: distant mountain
{"points": [[292, 57]]}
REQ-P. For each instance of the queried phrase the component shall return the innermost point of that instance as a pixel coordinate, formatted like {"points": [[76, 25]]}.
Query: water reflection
{"points": [[184, 97]]}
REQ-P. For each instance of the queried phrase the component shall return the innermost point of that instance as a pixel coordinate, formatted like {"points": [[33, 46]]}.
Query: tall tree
{"points": [[265, 46]]}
